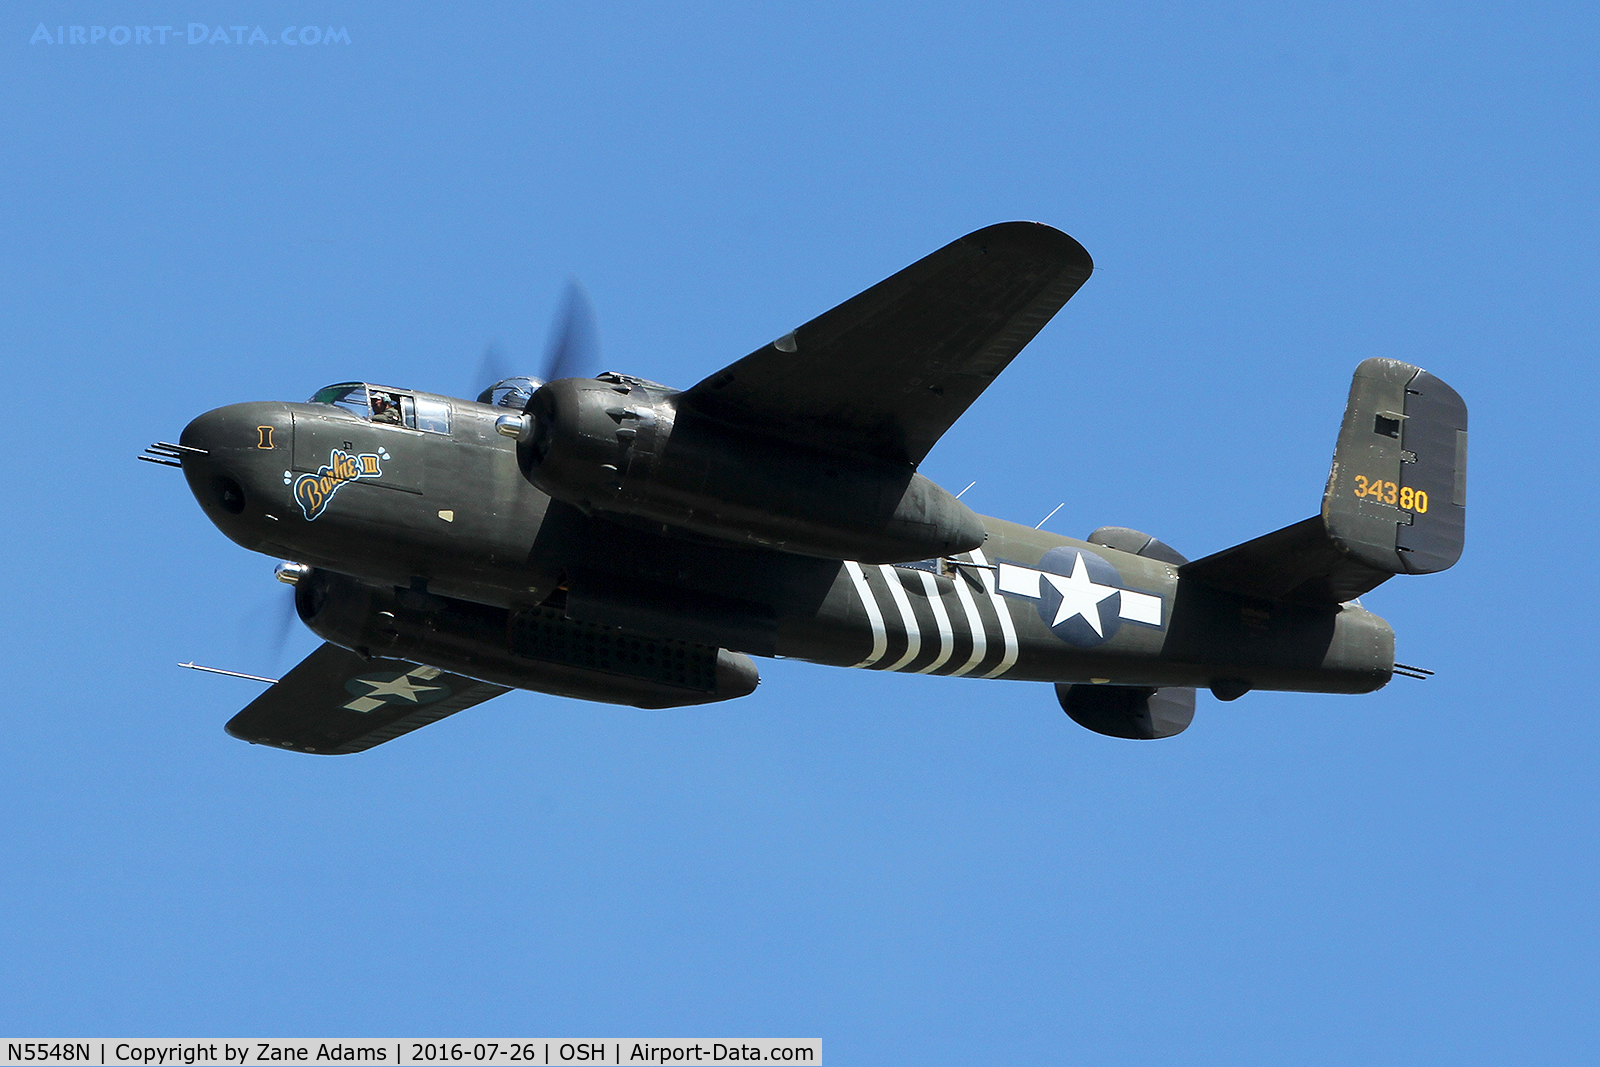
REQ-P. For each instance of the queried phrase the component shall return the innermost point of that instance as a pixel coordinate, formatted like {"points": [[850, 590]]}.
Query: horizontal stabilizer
{"points": [[335, 702], [1395, 502], [1299, 562]]}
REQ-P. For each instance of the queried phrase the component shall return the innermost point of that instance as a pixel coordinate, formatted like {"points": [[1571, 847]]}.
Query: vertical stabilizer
{"points": [[1397, 493], [1396, 500]]}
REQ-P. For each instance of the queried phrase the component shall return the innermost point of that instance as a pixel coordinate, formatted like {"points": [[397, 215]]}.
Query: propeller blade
{"points": [[287, 616], [574, 347], [264, 629], [493, 367]]}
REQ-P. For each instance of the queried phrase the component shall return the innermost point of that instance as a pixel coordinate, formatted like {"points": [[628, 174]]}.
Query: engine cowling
{"points": [[618, 445], [533, 648], [1138, 713]]}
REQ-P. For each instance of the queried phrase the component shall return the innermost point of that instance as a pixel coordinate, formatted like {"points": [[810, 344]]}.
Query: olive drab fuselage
{"points": [[452, 516]]}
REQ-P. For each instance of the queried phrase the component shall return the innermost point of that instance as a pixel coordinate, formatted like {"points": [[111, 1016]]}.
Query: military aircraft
{"points": [[612, 539]]}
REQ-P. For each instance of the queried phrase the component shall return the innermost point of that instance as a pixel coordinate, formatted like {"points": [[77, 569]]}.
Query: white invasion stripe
{"points": [[980, 642], [947, 638], [880, 640], [903, 602], [1141, 607], [1007, 629]]}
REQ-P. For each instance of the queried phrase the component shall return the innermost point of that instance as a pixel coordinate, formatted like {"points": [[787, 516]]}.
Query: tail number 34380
{"points": [[1389, 493]]}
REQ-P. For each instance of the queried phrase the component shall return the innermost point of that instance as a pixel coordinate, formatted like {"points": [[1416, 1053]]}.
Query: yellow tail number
{"points": [[1386, 492]]}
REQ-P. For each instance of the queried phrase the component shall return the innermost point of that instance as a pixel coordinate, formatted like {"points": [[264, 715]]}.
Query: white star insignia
{"points": [[1080, 595], [402, 687]]}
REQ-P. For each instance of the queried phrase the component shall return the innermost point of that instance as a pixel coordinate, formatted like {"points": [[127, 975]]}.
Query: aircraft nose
{"points": [[238, 452], [261, 427], [204, 432]]}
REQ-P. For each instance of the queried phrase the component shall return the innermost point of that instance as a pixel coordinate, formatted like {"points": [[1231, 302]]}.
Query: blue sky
{"points": [[916, 870]]}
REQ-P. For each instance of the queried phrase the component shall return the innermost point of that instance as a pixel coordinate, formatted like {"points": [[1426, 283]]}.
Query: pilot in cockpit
{"points": [[384, 409]]}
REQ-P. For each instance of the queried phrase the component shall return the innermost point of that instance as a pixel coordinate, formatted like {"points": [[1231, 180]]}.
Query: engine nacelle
{"points": [[1138, 713], [621, 446], [534, 648]]}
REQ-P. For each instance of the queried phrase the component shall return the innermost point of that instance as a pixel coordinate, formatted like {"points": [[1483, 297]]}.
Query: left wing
{"points": [[335, 703], [888, 371]]}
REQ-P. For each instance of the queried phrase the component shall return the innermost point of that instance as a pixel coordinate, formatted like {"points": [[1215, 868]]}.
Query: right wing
{"points": [[335, 703]]}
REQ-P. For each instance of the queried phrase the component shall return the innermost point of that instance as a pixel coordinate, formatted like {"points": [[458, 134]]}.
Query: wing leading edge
{"points": [[334, 703], [887, 372]]}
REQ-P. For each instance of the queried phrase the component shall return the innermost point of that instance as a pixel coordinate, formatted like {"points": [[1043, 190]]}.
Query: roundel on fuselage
{"points": [[1080, 596]]}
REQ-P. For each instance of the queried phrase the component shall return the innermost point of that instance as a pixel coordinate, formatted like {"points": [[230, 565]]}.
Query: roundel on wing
{"points": [[1080, 596], [395, 687]]}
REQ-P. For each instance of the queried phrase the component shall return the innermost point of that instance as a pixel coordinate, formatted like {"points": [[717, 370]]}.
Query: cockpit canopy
{"points": [[510, 392], [383, 404]]}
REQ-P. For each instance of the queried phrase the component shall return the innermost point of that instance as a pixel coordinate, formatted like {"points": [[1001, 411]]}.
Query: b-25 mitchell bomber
{"points": [[609, 538]]}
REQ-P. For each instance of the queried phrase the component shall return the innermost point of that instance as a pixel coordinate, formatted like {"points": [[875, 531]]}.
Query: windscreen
{"points": [[352, 396]]}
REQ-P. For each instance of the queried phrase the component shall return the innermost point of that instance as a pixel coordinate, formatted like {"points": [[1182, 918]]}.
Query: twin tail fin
{"points": [[1395, 502]]}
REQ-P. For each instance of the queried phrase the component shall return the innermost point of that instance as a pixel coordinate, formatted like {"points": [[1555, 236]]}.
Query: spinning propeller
{"points": [[572, 351]]}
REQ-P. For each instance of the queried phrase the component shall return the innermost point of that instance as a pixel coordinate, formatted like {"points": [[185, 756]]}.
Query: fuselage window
{"points": [[388, 407], [433, 415]]}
